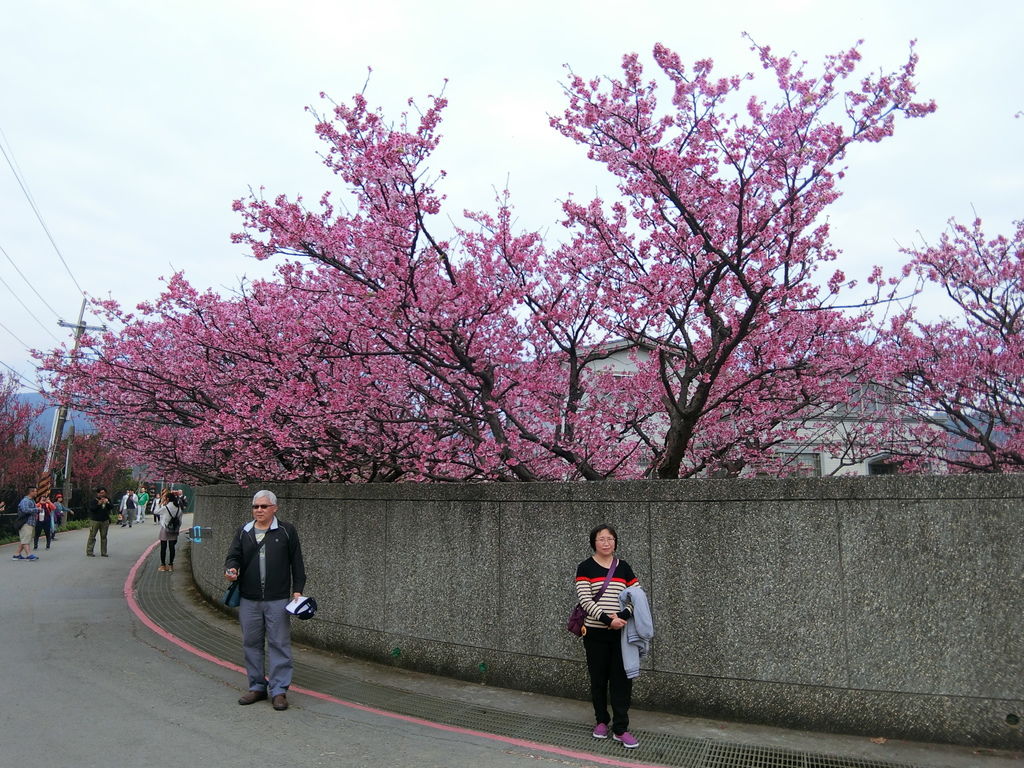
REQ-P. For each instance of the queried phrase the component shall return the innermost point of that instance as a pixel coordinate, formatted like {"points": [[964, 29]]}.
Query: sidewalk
{"points": [[560, 727]]}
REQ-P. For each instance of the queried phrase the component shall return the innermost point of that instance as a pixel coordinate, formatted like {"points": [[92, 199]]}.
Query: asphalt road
{"points": [[87, 685]]}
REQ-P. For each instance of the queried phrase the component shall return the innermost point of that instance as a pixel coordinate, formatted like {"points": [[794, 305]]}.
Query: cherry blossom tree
{"points": [[94, 464], [958, 380], [20, 460], [496, 346], [712, 250], [211, 389], [396, 345]]}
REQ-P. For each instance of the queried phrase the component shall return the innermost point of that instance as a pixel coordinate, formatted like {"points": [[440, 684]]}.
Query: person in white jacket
{"points": [[127, 509]]}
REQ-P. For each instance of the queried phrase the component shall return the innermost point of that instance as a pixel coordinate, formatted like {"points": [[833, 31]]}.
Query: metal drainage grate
{"points": [[167, 608]]}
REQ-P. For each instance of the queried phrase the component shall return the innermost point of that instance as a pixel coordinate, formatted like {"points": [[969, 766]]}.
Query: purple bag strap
{"points": [[607, 579]]}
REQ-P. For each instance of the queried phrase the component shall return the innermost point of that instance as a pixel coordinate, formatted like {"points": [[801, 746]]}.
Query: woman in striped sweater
{"points": [[601, 640]]}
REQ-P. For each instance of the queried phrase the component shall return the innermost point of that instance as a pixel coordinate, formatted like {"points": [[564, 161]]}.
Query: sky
{"points": [[134, 126]]}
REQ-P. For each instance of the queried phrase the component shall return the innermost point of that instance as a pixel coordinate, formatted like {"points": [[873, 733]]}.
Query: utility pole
{"points": [[67, 466], [61, 416]]}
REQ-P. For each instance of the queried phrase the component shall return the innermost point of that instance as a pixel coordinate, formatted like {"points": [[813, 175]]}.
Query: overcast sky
{"points": [[135, 125]]}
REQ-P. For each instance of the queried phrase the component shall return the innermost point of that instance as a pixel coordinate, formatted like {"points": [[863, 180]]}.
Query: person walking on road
{"points": [[128, 508], [99, 522], [60, 513], [141, 504], [170, 524], [44, 522], [25, 522], [265, 557]]}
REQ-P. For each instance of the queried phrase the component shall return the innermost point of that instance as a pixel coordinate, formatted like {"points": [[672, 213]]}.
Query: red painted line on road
{"points": [[133, 604]]}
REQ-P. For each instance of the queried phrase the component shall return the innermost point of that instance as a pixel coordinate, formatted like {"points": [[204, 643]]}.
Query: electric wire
{"points": [[13, 334], [29, 311], [32, 203], [25, 382], [29, 284], [12, 163]]}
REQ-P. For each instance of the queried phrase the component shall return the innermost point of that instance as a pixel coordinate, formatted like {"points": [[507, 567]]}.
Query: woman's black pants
{"points": [[608, 679], [164, 546]]}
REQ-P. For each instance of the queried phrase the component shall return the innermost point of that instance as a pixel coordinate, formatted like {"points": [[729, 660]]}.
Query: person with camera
{"points": [[169, 509], [265, 558], [99, 522]]}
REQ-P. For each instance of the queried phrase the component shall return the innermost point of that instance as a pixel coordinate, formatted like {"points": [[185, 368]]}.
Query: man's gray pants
{"points": [[266, 620]]}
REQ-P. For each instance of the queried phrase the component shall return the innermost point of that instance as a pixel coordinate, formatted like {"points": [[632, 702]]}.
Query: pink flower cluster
{"points": [[681, 328]]}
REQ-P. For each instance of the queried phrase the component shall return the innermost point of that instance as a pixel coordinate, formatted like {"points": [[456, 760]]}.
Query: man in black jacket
{"points": [[99, 522], [265, 558]]}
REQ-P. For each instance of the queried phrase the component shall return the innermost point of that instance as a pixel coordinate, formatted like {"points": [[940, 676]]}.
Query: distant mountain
{"points": [[43, 424]]}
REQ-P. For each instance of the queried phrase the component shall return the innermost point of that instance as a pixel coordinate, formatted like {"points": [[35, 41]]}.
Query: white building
{"points": [[815, 454]]}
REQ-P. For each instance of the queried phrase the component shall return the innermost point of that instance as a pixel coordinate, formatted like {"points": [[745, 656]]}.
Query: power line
{"points": [[29, 284], [35, 209], [29, 312], [26, 346], [24, 381]]}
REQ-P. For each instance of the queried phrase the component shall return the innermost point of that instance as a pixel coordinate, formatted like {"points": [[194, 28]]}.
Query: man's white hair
{"points": [[268, 495]]}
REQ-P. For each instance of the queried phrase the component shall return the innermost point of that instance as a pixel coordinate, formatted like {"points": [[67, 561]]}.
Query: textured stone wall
{"points": [[888, 606]]}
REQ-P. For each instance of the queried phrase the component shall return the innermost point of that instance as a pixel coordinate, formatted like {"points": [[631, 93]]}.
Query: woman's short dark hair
{"points": [[597, 530]]}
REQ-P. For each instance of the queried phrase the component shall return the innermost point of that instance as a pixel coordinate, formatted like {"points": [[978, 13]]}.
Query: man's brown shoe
{"points": [[251, 697], [280, 702]]}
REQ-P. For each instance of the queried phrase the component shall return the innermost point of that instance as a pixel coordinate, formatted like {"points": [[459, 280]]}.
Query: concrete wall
{"points": [[886, 606]]}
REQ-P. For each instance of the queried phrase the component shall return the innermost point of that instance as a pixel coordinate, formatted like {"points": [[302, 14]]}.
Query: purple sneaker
{"points": [[626, 739], [600, 731]]}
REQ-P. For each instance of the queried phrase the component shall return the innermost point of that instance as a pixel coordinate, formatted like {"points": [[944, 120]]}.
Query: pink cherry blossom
{"points": [[682, 327]]}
